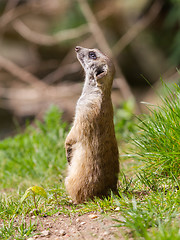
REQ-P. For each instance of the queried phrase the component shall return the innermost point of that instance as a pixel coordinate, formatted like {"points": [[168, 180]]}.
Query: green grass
{"points": [[148, 206], [158, 142], [36, 156], [148, 215]]}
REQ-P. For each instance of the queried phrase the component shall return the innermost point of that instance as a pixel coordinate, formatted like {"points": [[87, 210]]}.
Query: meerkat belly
{"points": [[92, 170]]}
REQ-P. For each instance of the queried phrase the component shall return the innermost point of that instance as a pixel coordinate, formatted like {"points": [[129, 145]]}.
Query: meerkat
{"points": [[91, 146]]}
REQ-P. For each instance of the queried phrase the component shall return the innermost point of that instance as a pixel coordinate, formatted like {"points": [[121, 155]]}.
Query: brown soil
{"points": [[86, 227]]}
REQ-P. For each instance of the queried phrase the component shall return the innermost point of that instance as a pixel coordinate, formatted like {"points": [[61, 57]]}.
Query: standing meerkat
{"points": [[91, 146]]}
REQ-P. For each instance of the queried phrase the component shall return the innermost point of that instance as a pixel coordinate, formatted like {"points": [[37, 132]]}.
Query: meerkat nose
{"points": [[77, 48]]}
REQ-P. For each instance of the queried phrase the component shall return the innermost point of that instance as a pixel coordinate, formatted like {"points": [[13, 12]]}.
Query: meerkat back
{"points": [[91, 146]]}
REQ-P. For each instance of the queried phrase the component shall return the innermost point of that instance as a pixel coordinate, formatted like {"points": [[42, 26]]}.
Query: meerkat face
{"points": [[97, 66]]}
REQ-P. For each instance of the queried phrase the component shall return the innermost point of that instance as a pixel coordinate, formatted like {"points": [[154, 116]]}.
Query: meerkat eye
{"points": [[92, 55]]}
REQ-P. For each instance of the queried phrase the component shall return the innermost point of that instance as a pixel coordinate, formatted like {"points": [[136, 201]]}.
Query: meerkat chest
{"points": [[94, 116], [88, 105]]}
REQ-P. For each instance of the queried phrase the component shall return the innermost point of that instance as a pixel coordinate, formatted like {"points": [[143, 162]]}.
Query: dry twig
{"points": [[61, 72], [42, 39], [138, 27], [94, 27], [31, 94], [10, 5], [21, 73], [14, 13], [33, 101]]}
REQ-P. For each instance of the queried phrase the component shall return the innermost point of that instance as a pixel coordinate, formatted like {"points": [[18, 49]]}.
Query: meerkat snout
{"points": [[77, 48]]}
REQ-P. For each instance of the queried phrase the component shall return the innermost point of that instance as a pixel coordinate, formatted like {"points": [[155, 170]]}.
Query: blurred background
{"points": [[38, 65]]}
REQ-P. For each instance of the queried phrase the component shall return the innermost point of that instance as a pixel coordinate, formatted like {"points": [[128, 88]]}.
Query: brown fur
{"points": [[91, 146]]}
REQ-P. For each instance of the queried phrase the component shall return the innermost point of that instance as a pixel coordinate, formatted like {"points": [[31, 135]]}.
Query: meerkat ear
{"points": [[101, 71]]}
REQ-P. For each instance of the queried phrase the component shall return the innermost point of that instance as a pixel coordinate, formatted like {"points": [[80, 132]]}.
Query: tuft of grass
{"points": [[158, 142], [165, 232], [151, 215], [18, 231]]}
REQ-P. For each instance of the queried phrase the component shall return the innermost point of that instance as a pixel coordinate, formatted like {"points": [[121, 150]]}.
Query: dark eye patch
{"points": [[92, 55]]}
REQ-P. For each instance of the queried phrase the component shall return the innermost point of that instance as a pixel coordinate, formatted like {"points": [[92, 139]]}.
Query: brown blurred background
{"points": [[38, 66]]}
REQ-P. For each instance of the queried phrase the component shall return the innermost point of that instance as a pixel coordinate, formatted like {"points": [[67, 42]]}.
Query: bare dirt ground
{"points": [[86, 227]]}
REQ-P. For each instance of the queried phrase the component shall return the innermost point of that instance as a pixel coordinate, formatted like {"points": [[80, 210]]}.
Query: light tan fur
{"points": [[91, 146]]}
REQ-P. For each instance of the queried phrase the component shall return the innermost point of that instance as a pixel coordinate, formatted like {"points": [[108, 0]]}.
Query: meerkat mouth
{"points": [[99, 71]]}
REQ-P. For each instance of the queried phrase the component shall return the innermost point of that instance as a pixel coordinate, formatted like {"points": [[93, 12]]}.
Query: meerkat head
{"points": [[98, 68]]}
